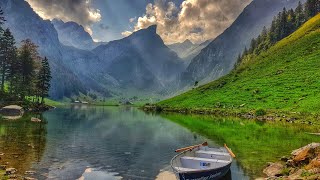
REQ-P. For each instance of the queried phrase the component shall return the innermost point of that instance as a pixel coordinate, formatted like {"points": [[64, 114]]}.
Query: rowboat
{"points": [[201, 162]]}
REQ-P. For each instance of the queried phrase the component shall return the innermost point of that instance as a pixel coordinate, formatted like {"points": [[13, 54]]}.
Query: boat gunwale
{"points": [[197, 171]]}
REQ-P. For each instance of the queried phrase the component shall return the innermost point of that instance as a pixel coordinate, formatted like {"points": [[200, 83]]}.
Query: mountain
{"points": [[182, 48], [188, 50], [219, 57], [283, 78], [141, 59], [73, 34], [25, 23], [140, 63]]}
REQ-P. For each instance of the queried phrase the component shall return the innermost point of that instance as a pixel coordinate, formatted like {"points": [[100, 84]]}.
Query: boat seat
{"points": [[212, 153], [183, 169], [204, 159]]}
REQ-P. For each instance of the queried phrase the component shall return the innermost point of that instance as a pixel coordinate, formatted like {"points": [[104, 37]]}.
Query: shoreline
{"points": [[276, 116]]}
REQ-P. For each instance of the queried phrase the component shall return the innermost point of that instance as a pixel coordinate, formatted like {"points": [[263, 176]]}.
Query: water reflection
{"points": [[22, 142], [84, 142]]}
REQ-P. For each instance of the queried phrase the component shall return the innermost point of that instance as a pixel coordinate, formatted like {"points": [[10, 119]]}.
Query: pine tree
{"points": [[2, 46], [238, 62], [291, 21], [283, 24], [28, 55], [43, 81], [8, 51], [311, 8], [317, 6], [300, 16], [272, 32], [2, 19]]}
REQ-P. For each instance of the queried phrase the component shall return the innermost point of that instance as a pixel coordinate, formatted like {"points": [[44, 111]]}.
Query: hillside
{"points": [[219, 57], [285, 78]]}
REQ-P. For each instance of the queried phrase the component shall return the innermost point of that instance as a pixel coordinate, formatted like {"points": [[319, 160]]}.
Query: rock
{"points": [[273, 170], [29, 178], [30, 172], [3, 167], [290, 163], [284, 159], [12, 176], [1, 154], [298, 151], [305, 154], [12, 110], [296, 175], [314, 171], [36, 120], [10, 171], [314, 177], [315, 163]]}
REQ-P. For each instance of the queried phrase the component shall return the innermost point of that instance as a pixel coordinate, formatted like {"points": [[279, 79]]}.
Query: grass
{"points": [[255, 143], [284, 78], [50, 102]]}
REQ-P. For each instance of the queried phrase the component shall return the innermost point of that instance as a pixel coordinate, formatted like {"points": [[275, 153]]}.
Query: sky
{"points": [[176, 20]]}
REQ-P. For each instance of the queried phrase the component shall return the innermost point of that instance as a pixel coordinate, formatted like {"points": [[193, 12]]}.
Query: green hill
{"points": [[284, 78]]}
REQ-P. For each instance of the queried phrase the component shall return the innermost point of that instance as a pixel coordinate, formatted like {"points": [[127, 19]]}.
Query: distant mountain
{"points": [[141, 59], [219, 57], [182, 48], [73, 34], [188, 50]]}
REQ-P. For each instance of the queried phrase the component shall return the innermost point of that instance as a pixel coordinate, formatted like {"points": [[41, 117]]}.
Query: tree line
{"points": [[284, 24], [23, 73]]}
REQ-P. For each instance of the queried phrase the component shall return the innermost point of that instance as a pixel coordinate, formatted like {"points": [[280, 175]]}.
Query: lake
{"points": [[89, 142]]}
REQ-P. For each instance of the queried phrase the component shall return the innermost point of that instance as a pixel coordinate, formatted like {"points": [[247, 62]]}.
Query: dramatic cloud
{"points": [[79, 11], [196, 20]]}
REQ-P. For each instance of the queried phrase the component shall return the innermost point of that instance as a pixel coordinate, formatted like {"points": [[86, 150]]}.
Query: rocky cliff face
{"points": [[73, 34], [218, 58]]}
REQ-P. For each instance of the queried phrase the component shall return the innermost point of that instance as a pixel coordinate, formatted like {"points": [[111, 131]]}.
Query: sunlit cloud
{"points": [[79, 11], [196, 20]]}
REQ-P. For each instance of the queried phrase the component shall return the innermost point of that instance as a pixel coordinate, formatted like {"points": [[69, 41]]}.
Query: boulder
{"points": [[273, 170], [315, 163], [309, 146], [12, 110], [10, 171], [36, 120]]}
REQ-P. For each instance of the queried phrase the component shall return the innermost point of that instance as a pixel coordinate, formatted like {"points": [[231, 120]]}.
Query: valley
{"points": [[92, 93]]}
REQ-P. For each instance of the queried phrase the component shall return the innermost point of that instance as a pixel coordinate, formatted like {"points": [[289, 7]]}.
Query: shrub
{"points": [[260, 112]]}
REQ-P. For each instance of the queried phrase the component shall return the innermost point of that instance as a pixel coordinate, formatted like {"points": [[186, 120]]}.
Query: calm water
{"points": [[97, 143]]}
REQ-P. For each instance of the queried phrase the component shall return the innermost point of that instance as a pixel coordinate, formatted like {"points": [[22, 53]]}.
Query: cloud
{"points": [[133, 19], [126, 33], [79, 11], [196, 20]]}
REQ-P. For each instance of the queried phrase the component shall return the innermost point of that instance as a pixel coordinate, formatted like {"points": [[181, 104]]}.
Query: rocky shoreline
{"points": [[303, 163], [290, 117]]}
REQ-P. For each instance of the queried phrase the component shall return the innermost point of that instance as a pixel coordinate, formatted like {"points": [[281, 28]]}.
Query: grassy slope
{"points": [[286, 77]]}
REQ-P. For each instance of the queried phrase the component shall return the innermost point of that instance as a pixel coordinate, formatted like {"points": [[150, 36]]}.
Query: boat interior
{"points": [[201, 158]]}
